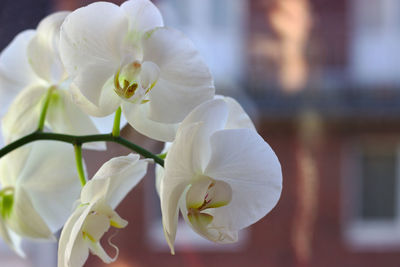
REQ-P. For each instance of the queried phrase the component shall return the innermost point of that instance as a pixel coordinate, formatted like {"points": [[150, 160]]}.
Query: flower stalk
{"points": [[45, 107], [79, 164], [117, 122], [80, 139]]}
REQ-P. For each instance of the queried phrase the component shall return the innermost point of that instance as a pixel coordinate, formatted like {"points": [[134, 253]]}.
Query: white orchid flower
{"points": [[237, 118], [95, 214], [39, 184], [123, 56], [30, 66], [222, 179]]}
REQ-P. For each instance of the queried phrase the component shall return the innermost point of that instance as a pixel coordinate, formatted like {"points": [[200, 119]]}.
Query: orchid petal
{"points": [[13, 240], [185, 80], [179, 170], [25, 220], [65, 237], [137, 116], [23, 115], [49, 173], [115, 179], [160, 170], [252, 170], [214, 114], [72, 249], [109, 102], [143, 15], [12, 164], [43, 48], [92, 54], [95, 81], [237, 117], [15, 70]]}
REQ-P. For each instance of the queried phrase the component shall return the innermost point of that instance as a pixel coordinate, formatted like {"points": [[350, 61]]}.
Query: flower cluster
{"points": [[106, 59]]}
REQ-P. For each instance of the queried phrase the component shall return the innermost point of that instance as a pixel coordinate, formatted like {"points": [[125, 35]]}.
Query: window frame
{"points": [[360, 233]]}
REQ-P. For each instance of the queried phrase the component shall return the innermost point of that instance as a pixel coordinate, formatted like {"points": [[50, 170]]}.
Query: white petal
{"points": [[143, 15], [213, 114], [63, 116], [115, 179], [94, 82], [137, 116], [11, 239], [96, 225], [99, 251], [237, 117], [65, 236], [180, 169], [160, 170], [43, 48], [15, 70], [25, 220], [50, 178], [149, 74], [23, 115], [91, 46], [72, 249], [12, 164], [185, 80], [109, 102], [247, 163]]}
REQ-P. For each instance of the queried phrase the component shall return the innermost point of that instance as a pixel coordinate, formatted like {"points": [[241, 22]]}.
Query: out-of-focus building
{"points": [[322, 81]]}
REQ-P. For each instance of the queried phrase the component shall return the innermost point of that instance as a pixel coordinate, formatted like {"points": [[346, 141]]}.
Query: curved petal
{"points": [[109, 102], [65, 237], [23, 115], [91, 46], [15, 70], [50, 174], [72, 249], [92, 82], [12, 164], [115, 179], [185, 80], [213, 114], [160, 170], [180, 169], [237, 117], [136, 115], [143, 15], [24, 218], [43, 49], [11, 239], [241, 158]]}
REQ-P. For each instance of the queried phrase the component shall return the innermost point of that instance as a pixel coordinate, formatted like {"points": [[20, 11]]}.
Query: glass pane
{"points": [[379, 183]]}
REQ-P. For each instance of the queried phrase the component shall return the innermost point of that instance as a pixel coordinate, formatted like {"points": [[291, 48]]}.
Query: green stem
{"points": [[76, 139], [45, 107], [117, 122], [79, 164]]}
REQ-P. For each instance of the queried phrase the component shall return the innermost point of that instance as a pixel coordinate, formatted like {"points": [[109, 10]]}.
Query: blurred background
{"points": [[321, 80]]}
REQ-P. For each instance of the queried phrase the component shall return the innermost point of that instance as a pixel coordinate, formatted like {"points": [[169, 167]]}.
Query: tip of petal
{"points": [[169, 241]]}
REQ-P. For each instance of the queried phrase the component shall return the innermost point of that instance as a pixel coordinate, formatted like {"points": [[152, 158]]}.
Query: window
{"points": [[217, 29], [375, 35], [371, 199]]}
